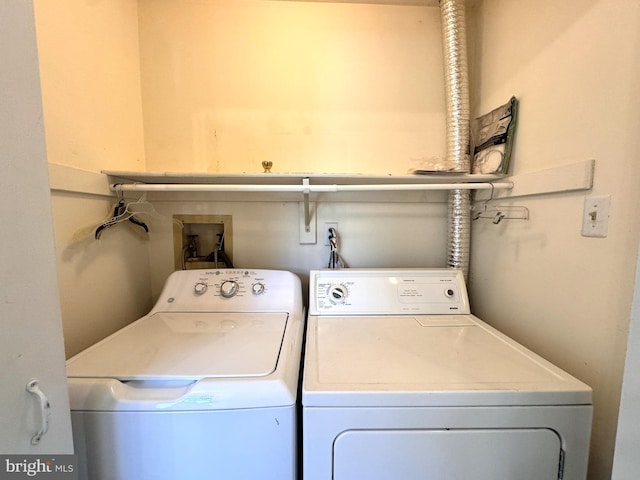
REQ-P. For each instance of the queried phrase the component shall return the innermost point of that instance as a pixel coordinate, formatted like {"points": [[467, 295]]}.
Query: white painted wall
{"points": [[104, 284], [313, 87], [574, 66], [90, 76], [265, 233], [89, 57]]}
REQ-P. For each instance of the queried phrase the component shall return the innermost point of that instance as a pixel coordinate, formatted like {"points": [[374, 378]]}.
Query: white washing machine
{"points": [[203, 387], [401, 381]]}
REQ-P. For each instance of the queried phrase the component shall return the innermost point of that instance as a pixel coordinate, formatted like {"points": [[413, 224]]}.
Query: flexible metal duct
{"points": [[454, 33], [459, 230]]}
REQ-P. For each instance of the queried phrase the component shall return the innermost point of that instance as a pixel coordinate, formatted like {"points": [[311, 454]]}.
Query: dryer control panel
{"points": [[387, 291]]}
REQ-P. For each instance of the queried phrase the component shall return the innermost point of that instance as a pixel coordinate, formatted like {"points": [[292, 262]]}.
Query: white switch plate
{"points": [[595, 218]]}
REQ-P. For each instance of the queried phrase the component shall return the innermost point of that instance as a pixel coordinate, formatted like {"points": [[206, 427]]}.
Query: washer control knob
{"points": [[257, 288], [337, 293], [229, 288], [199, 288], [449, 293]]}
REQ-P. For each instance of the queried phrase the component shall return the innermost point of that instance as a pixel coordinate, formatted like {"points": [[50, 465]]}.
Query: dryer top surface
{"points": [[427, 360]]}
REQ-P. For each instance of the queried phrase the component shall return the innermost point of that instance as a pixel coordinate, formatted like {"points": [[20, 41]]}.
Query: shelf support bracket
{"points": [[307, 223], [307, 219]]}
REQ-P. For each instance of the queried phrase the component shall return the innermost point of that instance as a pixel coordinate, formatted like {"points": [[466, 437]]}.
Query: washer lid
{"points": [[166, 346], [426, 361]]}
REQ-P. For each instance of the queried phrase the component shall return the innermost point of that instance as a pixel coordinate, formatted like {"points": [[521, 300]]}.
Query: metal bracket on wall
{"points": [[307, 219], [307, 216], [307, 222]]}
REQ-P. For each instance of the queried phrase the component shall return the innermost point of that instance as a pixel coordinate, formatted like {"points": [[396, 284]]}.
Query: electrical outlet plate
{"points": [[327, 226], [595, 218]]}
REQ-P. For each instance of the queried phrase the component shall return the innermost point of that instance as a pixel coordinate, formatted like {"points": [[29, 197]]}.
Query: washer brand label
{"points": [[50, 467]]}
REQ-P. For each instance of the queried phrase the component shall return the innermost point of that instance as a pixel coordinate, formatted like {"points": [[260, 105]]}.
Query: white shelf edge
{"points": [[567, 178], [287, 178], [563, 179], [63, 178], [179, 178], [71, 179]]}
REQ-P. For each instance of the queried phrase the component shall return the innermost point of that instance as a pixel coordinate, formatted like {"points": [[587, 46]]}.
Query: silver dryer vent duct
{"points": [[454, 33]]}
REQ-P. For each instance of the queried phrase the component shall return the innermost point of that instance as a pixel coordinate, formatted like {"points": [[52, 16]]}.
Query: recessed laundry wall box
{"points": [[202, 241]]}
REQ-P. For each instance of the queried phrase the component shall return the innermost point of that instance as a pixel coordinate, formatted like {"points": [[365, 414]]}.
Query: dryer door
{"points": [[479, 454]]}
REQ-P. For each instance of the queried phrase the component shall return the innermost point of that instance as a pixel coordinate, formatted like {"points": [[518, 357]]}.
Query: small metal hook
{"points": [[498, 218], [493, 189], [119, 191]]}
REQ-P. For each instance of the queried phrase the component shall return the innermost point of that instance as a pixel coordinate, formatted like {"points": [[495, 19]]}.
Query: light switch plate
{"points": [[595, 218]]}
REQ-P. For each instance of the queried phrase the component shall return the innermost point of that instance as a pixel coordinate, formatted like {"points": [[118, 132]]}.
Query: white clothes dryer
{"points": [[401, 381], [204, 386]]}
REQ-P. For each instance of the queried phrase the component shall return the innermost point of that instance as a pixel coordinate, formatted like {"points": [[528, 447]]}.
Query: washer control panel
{"points": [[229, 283], [229, 289], [387, 291]]}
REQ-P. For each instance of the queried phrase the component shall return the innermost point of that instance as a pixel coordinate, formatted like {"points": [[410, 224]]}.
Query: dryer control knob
{"points": [[199, 288], [229, 288], [257, 288], [338, 293]]}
